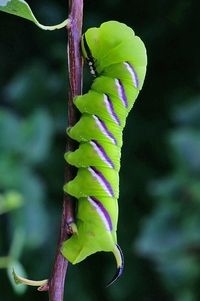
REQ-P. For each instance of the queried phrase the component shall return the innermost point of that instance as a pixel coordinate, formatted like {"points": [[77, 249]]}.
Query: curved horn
{"points": [[120, 264]]}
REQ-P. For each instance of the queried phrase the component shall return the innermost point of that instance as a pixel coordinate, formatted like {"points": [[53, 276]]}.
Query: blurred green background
{"points": [[159, 222]]}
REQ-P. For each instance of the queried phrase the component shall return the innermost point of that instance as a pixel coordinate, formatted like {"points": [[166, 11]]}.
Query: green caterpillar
{"points": [[117, 59]]}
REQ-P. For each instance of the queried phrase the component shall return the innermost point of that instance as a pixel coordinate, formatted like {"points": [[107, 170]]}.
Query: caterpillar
{"points": [[117, 60]]}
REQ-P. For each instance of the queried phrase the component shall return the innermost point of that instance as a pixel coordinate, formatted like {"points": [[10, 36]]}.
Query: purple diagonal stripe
{"points": [[133, 74], [101, 153], [110, 109], [103, 128], [121, 92], [101, 210], [102, 180]]}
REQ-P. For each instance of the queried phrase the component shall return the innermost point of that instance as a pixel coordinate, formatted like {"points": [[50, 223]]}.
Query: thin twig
{"points": [[57, 279]]}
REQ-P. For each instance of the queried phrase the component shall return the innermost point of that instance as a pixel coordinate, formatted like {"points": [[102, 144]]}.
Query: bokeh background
{"points": [[159, 222]]}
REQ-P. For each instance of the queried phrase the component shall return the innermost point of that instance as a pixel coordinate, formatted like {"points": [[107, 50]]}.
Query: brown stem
{"points": [[57, 279]]}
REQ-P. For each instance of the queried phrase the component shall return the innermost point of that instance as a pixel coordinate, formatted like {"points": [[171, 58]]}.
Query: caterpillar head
{"points": [[106, 45]]}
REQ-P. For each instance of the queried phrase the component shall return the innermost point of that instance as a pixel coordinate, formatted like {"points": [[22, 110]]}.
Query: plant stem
{"points": [[57, 279]]}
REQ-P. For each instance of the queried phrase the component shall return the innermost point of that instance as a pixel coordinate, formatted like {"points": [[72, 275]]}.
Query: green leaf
{"points": [[10, 201], [22, 9], [21, 280], [18, 243], [20, 269]]}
